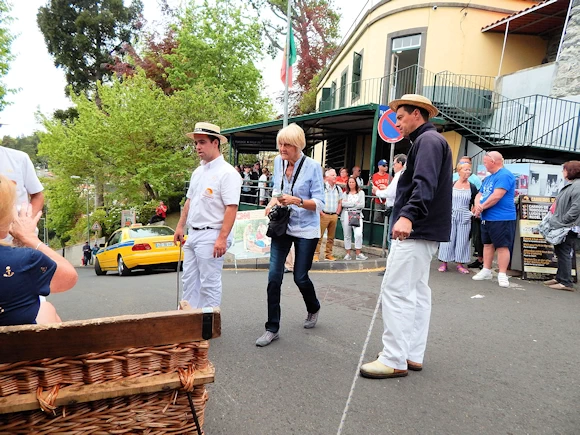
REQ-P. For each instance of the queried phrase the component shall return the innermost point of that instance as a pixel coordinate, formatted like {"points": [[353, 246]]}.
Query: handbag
{"points": [[354, 218], [555, 236], [280, 215]]}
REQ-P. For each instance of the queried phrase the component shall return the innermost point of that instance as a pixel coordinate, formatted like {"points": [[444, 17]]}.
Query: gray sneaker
{"points": [[311, 320], [361, 256], [267, 338]]}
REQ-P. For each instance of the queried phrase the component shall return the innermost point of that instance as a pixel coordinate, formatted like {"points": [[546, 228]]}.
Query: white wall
{"points": [[531, 81]]}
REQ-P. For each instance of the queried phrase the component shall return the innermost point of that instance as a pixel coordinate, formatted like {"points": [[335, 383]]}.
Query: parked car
{"points": [[138, 247]]}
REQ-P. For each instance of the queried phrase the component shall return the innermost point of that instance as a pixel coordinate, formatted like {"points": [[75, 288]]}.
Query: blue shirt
{"points": [[309, 185], [473, 179], [505, 208], [25, 274]]}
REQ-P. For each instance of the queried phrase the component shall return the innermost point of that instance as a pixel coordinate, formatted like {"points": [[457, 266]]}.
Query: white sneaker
{"points": [[482, 274], [347, 257], [361, 256], [503, 280]]}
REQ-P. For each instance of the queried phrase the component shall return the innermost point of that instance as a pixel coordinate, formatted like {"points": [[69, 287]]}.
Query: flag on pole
{"points": [[288, 62]]}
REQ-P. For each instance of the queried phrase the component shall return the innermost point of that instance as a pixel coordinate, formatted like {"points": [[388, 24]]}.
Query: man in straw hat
{"points": [[422, 217], [209, 211]]}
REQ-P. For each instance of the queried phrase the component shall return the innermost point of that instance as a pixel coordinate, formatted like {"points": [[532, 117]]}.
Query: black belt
{"points": [[325, 212], [201, 229]]}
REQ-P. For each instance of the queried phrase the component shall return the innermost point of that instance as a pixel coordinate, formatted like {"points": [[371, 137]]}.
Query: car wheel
{"points": [[121, 268], [98, 270]]}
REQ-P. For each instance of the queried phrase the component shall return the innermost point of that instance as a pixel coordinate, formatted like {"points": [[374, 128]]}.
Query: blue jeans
{"points": [[304, 251], [564, 251]]}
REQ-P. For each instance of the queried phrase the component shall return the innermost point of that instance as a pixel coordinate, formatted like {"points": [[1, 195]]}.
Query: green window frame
{"points": [[356, 75], [343, 84]]}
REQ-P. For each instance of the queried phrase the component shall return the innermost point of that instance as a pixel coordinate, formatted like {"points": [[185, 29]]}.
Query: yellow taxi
{"points": [[137, 247]]}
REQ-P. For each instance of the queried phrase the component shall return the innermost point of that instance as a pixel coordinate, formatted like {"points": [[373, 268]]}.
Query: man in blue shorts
{"points": [[495, 204]]}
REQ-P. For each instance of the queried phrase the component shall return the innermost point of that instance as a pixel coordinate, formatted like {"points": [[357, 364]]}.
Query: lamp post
{"points": [[76, 177]]}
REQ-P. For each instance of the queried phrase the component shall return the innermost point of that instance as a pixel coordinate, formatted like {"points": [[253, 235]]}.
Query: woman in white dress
{"points": [[353, 201]]}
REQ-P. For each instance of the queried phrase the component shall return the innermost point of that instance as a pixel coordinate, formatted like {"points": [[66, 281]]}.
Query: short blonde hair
{"points": [[7, 201], [291, 135], [462, 165]]}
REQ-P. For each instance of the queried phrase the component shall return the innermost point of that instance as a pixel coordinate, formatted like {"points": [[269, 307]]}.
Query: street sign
{"points": [[388, 130], [96, 227]]}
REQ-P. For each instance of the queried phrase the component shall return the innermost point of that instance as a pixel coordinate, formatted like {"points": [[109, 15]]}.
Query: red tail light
{"points": [[141, 247]]}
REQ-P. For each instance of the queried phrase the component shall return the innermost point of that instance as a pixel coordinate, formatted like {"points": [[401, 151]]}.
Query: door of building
{"points": [[405, 74]]}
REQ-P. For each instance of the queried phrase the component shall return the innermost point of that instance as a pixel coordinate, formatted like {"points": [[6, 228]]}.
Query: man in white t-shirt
{"points": [[209, 212], [17, 166]]}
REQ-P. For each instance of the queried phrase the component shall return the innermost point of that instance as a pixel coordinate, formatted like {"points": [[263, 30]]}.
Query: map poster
{"points": [[127, 218], [250, 240], [538, 258]]}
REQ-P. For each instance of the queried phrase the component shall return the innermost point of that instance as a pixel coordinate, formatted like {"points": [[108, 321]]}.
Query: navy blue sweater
{"points": [[424, 189]]}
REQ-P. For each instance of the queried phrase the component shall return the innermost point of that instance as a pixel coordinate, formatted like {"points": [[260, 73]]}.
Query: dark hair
{"points": [[466, 158], [573, 169], [211, 138], [401, 158], [410, 109], [357, 187]]}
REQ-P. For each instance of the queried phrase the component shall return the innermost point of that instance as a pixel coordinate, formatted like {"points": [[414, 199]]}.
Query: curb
{"points": [[339, 265]]}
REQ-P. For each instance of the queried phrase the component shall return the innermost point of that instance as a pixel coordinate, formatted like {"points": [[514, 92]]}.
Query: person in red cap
{"points": [[380, 180]]}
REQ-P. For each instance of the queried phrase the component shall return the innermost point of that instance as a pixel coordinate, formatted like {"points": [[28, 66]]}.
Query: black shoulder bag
{"points": [[280, 215]]}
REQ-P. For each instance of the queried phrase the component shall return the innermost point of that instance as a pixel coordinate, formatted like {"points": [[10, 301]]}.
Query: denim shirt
{"points": [[303, 223]]}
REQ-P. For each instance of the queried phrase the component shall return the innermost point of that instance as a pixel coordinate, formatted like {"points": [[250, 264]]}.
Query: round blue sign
{"points": [[388, 130]]}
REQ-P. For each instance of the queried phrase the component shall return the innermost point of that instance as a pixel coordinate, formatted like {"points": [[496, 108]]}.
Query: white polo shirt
{"points": [[212, 187], [17, 166]]}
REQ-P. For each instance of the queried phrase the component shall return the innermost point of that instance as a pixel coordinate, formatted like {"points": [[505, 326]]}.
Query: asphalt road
{"points": [[502, 364]]}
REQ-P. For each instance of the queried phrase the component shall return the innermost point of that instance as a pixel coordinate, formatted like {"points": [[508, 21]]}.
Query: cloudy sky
{"points": [[41, 85]]}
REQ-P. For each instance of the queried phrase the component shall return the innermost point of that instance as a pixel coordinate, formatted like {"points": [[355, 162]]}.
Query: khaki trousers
{"points": [[327, 222]]}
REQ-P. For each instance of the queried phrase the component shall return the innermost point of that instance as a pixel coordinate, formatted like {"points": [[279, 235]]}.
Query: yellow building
{"points": [[451, 52], [488, 65]]}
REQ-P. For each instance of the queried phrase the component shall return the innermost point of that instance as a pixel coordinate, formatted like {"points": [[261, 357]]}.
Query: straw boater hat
{"points": [[207, 129], [415, 100]]}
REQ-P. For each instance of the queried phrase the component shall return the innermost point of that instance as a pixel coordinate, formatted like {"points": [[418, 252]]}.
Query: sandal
{"points": [[462, 269], [443, 268]]}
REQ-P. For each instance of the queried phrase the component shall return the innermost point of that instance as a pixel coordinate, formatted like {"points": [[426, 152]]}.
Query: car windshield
{"points": [[137, 233]]}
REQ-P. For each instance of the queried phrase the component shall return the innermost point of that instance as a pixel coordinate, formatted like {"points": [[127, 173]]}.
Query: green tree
{"points": [[83, 35], [316, 29], [6, 56], [64, 206], [218, 48], [136, 142]]}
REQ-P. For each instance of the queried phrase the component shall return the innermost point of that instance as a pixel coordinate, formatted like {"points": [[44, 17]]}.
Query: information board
{"points": [[250, 239], [538, 258]]}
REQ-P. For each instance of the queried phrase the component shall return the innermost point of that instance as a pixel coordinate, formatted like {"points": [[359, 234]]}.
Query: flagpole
{"points": [[287, 51]]}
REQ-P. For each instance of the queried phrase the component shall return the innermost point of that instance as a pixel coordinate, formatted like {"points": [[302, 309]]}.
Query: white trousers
{"points": [[348, 230], [202, 273], [406, 302]]}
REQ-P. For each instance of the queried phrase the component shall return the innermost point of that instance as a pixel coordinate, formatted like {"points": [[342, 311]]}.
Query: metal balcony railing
{"points": [[472, 108]]}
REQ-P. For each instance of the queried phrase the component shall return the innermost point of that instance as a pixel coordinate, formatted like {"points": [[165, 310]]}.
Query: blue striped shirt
{"points": [[309, 185], [332, 195]]}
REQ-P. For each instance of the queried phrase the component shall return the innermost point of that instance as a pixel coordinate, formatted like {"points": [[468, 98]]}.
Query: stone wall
{"points": [[567, 81]]}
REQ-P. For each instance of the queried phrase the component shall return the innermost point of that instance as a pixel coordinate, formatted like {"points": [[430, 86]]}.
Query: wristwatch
{"points": [[301, 203]]}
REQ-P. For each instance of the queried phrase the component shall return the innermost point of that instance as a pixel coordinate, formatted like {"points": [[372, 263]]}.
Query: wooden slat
{"points": [[33, 342], [89, 393]]}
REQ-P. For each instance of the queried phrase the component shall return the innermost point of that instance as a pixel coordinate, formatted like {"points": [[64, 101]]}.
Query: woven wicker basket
{"points": [[26, 377], [166, 412], [151, 414]]}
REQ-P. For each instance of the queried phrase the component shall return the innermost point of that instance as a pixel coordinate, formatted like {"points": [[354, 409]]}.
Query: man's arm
{"points": [[493, 199], [178, 236], [220, 246], [37, 202]]}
